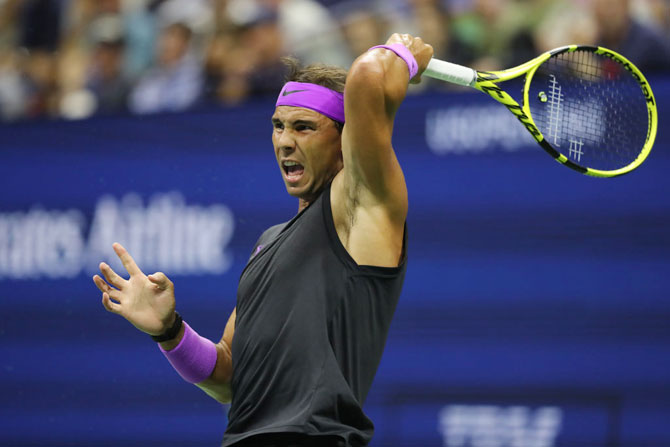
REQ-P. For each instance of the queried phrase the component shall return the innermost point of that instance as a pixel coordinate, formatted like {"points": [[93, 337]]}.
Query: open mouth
{"points": [[293, 170]]}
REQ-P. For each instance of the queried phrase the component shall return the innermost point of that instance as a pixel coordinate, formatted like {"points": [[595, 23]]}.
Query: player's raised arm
{"points": [[369, 196], [376, 85]]}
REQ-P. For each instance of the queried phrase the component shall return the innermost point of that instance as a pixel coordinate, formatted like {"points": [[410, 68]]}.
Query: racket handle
{"points": [[454, 73]]}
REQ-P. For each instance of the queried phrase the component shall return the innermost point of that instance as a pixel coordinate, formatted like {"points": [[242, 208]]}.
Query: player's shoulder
{"points": [[271, 233], [266, 237]]}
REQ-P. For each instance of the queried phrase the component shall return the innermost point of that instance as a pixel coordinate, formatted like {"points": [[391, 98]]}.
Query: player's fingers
{"points": [[423, 53], [110, 305], [111, 276], [398, 38], [160, 280], [100, 283], [115, 295], [127, 260], [417, 78]]}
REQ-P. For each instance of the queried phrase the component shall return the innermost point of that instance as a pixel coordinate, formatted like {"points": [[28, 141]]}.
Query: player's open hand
{"points": [[146, 301]]}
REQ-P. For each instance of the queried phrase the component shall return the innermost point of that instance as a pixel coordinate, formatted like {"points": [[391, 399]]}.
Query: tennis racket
{"points": [[588, 107]]}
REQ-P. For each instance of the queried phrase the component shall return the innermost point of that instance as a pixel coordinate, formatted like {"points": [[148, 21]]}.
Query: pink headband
{"points": [[315, 97]]}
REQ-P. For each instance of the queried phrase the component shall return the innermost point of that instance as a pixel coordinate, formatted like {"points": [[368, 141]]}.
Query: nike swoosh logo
{"points": [[288, 92]]}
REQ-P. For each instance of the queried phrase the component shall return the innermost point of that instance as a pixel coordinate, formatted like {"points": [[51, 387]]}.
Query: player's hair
{"points": [[329, 76]]}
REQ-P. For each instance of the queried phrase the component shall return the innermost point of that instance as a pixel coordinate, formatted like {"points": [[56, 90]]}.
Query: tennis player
{"points": [[315, 301]]}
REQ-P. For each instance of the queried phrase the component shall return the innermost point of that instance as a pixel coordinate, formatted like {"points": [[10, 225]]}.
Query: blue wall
{"points": [[536, 304]]}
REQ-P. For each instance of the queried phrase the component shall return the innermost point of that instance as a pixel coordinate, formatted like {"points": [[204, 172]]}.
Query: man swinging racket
{"points": [[315, 301]]}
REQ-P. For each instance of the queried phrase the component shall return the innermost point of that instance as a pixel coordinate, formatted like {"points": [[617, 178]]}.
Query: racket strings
{"points": [[590, 109]]}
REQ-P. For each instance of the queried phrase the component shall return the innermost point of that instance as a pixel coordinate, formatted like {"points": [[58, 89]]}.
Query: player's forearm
{"points": [[201, 362], [217, 385]]}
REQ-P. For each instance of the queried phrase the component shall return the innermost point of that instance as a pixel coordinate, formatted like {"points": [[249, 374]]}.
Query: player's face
{"points": [[308, 148]]}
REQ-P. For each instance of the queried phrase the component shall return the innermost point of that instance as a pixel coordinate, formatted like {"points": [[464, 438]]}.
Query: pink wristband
{"points": [[194, 357], [403, 52]]}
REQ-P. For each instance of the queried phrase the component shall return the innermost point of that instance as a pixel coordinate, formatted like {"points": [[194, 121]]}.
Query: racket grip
{"points": [[454, 73]]}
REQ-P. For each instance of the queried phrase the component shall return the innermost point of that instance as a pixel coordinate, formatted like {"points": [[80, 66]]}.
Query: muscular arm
{"points": [[370, 196], [217, 385], [148, 303], [376, 86]]}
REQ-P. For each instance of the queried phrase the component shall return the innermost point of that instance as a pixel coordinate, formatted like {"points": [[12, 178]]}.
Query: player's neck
{"points": [[302, 204]]}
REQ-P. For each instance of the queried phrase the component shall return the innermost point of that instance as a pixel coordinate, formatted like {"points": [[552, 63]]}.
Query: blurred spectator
{"points": [[9, 11], [39, 68], [12, 94], [31, 70], [174, 83], [565, 22], [246, 60], [619, 31], [431, 20], [361, 26], [198, 15], [40, 22], [13, 86], [657, 14], [139, 36], [75, 58], [105, 78], [74, 101], [91, 72], [309, 31], [496, 34], [432, 23]]}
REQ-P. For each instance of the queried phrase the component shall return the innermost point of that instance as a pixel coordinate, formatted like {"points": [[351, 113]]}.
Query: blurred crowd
{"points": [[76, 58]]}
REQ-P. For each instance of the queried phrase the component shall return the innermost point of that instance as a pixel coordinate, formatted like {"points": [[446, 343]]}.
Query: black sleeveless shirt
{"points": [[309, 333]]}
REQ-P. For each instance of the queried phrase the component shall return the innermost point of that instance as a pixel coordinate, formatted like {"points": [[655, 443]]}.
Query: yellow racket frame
{"points": [[487, 82]]}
